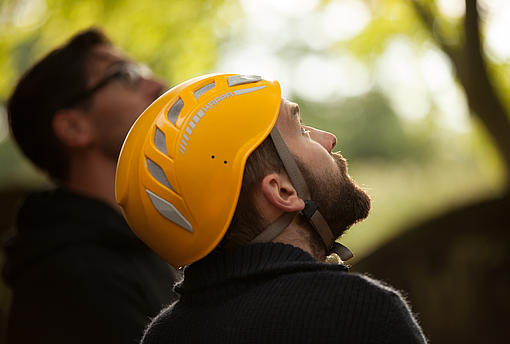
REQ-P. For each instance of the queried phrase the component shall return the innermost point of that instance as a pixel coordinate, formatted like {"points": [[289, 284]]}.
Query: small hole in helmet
{"points": [[212, 156], [225, 162]]}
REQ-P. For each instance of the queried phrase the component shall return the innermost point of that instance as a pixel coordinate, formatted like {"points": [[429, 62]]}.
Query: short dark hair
{"points": [[43, 90], [247, 222]]}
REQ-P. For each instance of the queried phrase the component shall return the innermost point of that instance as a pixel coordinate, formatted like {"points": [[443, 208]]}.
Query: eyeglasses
{"points": [[129, 75]]}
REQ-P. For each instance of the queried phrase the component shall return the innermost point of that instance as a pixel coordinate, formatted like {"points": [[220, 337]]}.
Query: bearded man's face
{"points": [[340, 200]]}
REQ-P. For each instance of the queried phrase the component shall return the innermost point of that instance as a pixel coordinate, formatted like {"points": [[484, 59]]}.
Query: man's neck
{"points": [[94, 176], [298, 234]]}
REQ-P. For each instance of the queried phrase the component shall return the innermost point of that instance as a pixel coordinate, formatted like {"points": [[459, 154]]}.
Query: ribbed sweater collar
{"points": [[262, 260]]}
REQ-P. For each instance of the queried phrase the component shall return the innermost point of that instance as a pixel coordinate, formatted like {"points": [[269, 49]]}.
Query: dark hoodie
{"points": [[79, 275]]}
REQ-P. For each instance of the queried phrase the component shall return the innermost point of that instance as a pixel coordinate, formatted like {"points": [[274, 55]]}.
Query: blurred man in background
{"points": [[77, 273]]}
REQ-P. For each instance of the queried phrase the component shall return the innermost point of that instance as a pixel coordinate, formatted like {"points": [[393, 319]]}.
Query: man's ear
{"points": [[280, 193], [73, 128]]}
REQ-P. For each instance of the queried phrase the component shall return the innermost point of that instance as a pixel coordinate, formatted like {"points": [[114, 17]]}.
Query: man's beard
{"points": [[341, 202]]}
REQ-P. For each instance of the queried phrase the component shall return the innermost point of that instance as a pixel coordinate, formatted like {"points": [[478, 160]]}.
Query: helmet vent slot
{"points": [[160, 141], [198, 93], [158, 173], [175, 110], [168, 210], [235, 80]]}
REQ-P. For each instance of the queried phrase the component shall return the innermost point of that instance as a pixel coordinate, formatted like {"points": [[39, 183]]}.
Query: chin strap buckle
{"points": [[320, 225], [343, 252], [309, 209]]}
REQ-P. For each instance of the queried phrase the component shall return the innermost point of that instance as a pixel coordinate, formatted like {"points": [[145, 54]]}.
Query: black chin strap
{"points": [[310, 213]]}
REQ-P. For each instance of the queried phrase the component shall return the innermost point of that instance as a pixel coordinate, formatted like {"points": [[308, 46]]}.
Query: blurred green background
{"points": [[415, 91]]}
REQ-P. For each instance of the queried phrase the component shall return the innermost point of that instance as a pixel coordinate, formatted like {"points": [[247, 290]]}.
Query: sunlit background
{"points": [[369, 71]]}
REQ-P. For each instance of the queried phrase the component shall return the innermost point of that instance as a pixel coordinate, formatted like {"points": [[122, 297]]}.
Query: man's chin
{"points": [[362, 204], [340, 200], [352, 206], [353, 203]]}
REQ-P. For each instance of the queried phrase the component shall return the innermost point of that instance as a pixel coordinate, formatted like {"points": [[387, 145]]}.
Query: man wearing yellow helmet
{"points": [[219, 174], [77, 272]]}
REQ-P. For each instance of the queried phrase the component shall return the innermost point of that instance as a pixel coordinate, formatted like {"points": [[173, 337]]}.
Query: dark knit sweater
{"points": [[277, 293], [79, 275]]}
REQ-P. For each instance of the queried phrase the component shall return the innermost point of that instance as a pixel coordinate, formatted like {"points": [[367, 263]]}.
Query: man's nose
{"points": [[324, 138], [154, 86]]}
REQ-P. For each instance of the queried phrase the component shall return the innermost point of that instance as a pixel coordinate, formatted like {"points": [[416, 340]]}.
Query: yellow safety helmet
{"points": [[180, 169]]}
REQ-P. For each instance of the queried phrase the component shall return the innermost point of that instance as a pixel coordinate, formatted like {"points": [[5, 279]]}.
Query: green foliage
{"points": [[390, 18], [175, 37], [368, 128], [180, 39], [500, 76]]}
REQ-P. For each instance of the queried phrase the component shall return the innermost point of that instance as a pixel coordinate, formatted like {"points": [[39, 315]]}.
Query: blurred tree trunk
{"points": [[455, 268], [455, 271], [472, 73]]}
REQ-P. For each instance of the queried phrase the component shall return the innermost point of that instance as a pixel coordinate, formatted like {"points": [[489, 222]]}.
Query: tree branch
{"points": [[482, 97], [430, 23], [471, 70]]}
